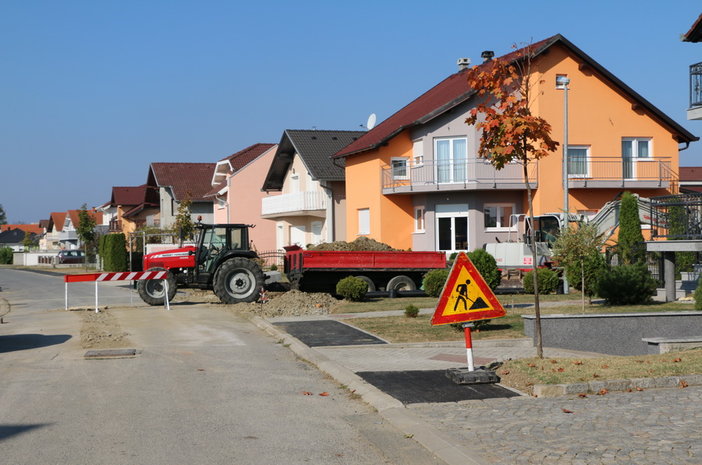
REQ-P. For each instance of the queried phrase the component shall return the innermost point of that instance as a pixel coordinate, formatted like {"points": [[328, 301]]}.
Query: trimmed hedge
{"points": [[352, 288], [113, 251], [6, 256], [547, 280], [626, 285]]}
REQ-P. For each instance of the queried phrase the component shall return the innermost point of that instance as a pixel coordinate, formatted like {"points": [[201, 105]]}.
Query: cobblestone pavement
{"points": [[653, 427]]}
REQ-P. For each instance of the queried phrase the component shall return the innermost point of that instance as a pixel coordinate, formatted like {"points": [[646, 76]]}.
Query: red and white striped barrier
{"points": [[119, 276]]}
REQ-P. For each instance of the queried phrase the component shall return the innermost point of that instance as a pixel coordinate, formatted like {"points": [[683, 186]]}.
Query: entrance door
{"points": [[452, 227]]}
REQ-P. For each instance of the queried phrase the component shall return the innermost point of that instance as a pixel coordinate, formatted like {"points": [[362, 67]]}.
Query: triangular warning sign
{"points": [[466, 296]]}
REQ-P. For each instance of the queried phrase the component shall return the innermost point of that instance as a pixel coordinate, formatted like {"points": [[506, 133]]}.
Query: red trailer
{"points": [[320, 270]]}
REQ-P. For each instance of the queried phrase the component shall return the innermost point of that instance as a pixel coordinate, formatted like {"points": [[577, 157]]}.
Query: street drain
{"points": [[110, 353]]}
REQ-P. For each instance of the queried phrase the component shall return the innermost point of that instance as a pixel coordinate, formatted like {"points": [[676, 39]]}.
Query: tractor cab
{"points": [[217, 241]]}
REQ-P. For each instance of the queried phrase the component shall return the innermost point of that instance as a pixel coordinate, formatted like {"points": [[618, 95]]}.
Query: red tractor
{"points": [[221, 260]]}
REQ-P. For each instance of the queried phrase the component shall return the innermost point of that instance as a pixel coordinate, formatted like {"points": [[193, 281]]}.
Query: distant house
{"points": [[62, 230], [36, 229], [236, 189], [14, 239], [311, 208], [176, 182], [694, 111], [691, 179], [131, 208]]}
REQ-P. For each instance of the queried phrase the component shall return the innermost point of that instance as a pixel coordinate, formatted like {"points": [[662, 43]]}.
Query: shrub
{"points": [[630, 242], [433, 282], [411, 311], [698, 295], [626, 285], [113, 251], [274, 267], [547, 280], [352, 288], [593, 266], [487, 267], [6, 256]]}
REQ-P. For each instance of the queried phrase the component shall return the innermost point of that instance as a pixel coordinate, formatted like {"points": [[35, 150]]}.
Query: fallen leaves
{"points": [[324, 394], [565, 410], [577, 362], [308, 393], [602, 392], [682, 384], [677, 360]]}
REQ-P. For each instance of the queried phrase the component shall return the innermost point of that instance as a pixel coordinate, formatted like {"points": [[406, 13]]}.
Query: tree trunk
{"points": [[532, 237]]}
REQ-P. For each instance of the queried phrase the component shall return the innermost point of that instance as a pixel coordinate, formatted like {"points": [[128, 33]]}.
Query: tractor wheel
{"points": [[401, 283], [151, 291], [238, 280]]}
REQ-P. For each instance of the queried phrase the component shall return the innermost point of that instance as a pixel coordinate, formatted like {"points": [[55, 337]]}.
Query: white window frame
{"points": [[635, 159], [587, 161], [363, 221], [452, 160], [452, 211], [405, 162], [419, 219], [500, 226], [418, 153]]}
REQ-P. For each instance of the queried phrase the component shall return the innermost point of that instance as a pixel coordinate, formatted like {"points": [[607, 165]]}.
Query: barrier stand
{"points": [[125, 276], [469, 345]]}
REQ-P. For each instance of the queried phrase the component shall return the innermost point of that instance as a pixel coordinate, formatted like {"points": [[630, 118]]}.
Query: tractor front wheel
{"points": [[152, 291], [238, 280]]}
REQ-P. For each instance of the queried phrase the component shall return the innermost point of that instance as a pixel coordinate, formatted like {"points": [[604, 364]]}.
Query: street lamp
{"points": [[562, 82]]}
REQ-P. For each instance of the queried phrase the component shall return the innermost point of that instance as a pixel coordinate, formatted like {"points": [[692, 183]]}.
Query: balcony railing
{"points": [[616, 172], [455, 175], [298, 203], [696, 85]]}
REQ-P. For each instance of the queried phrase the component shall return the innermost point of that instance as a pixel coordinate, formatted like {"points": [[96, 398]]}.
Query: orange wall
{"points": [[599, 117], [391, 217]]}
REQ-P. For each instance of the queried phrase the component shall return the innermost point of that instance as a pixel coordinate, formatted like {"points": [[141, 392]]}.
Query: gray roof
{"points": [[315, 148]]}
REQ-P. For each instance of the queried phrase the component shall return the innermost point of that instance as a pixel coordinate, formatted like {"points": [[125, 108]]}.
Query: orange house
{"points": [[415, 180]]}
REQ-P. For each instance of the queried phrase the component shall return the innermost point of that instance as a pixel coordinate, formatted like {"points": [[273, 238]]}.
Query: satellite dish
{"points": [[370, 124]]}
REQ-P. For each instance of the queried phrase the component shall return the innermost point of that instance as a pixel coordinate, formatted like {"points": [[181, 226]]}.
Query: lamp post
{"points": [[562, 83]]}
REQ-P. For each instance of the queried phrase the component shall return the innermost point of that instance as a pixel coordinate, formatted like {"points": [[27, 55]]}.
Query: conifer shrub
{"points": [[411, 311], [113, 250], [698, 295], [626, 285], [5, 256], [433, 282], [546, 279], [486, 266], [352, 288]]}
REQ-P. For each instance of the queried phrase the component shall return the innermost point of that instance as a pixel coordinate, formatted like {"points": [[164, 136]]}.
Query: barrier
{"points": [[118, 276]]}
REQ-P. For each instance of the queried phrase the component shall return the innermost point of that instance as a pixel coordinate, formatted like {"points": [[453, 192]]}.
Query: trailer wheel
{"points": [[401, 283], [238, 280], [151, 291], [371, 284]]}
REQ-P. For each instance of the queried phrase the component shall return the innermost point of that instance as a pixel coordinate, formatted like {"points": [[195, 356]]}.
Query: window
{"points": [[450, 155], [578, 161], [634, 149], [419, 219], [452, 227], [363, 221], [497, 216], [418, 153], [399, 168]]}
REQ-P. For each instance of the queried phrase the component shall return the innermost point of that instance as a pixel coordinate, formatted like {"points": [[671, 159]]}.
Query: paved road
{"points": [[207, 388]]}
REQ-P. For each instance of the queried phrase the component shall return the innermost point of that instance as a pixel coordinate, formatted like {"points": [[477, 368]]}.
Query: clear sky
{"points": [[92, 92]]}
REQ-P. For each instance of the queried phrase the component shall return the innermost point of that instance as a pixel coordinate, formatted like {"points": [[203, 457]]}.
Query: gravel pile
{"points": [[294, 303], [362, 243]]}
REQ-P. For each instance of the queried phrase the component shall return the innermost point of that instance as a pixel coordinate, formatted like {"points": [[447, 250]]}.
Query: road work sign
{"points": [[466, 296]]}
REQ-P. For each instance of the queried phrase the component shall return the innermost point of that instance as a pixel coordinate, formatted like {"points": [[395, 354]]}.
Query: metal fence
{"points": [[677, 217]]}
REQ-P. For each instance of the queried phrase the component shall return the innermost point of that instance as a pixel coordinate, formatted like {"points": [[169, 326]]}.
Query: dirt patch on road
{"points": [[101, 331], [291, 303]]}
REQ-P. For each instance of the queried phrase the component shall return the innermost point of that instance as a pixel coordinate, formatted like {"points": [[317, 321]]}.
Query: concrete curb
{"points": [[388, 407], [613, 385]]}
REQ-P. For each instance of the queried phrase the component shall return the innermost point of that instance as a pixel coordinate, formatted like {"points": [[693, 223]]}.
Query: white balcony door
{"points": [[451, 227], [450, 155]]}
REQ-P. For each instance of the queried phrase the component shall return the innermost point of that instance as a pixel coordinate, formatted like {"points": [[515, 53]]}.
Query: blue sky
{"points": [[94, 91]]}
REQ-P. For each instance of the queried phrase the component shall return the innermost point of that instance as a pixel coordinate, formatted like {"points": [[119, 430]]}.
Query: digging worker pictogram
{"points": [[462, 297]]}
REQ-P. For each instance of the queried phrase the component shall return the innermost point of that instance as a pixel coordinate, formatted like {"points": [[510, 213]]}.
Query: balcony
{"points": [[618, 172], [695, 110], [473, 174], [310, 203]]}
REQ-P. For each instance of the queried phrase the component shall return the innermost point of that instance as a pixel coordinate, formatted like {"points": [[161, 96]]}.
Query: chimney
{"points": [[487, 55], [463, 63]]}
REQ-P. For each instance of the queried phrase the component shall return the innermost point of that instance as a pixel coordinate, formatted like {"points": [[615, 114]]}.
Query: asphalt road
{"points": [[206, 388]]}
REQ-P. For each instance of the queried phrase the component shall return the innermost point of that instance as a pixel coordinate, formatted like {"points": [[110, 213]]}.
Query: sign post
{"points": [[466, 298]]}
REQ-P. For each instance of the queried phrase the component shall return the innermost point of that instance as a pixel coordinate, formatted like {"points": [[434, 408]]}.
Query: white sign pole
{"points": [[165, 293], [97, 310], [66, 294], [469, 346]]}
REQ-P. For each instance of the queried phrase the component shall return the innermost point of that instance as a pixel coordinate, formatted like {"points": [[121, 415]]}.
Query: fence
{"points": [[271, 257]]}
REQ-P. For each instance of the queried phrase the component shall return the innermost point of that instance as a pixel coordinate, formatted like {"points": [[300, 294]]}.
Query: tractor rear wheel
{"points": [[238, 280], [152, 291]]}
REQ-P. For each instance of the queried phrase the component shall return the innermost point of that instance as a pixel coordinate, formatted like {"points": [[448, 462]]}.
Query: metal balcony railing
{"points": [[677, 217], [696, 85], [292, 203], [617, 171], [454, 174]]}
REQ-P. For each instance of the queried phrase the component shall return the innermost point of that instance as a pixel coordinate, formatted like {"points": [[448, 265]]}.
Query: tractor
{"points": [[222, 261]]}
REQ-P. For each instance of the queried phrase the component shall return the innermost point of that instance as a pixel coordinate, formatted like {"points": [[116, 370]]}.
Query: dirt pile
{"points": [[360, 244], [294, 303], [101, 330]]}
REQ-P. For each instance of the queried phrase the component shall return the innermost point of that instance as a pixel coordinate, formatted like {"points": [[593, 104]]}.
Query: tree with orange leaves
{"points": [[509, 131]]}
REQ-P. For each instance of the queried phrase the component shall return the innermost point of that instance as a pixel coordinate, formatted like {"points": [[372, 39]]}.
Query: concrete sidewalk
{"points": [[646, 427]]}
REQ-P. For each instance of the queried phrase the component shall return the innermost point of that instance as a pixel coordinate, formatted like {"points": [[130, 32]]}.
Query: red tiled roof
{"points": [[131, 195], [695, 32], [73, 214], [191, 180], [28, 228], [243, 157], [454, 90], [216, 188], [691, 173], [58, 218]]}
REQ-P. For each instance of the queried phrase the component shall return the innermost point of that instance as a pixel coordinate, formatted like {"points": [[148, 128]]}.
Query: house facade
{"points": [[311, 206], [62, 231], [416, 181], [236, 189], [131, 208], [176, 182], [694, 111]]}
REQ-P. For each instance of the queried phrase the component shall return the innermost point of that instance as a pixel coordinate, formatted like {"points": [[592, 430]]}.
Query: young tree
{"points": [[86, 230], [579, 250], [630, 243], [3, 215], [510, 133], [184, 225], [29, 241]]}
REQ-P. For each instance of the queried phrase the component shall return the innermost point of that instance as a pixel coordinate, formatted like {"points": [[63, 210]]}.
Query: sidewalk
{"points": [[646, 428]]}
